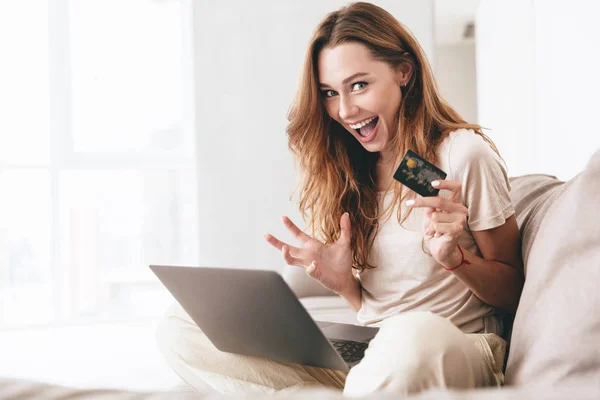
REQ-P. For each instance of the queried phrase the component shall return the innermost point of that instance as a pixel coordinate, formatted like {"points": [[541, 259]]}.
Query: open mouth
{"points": [[368, 129]]}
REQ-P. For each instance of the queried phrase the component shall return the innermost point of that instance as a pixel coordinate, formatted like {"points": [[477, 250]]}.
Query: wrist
{"points": [[352, 293], [456, 259], [350, 287]]}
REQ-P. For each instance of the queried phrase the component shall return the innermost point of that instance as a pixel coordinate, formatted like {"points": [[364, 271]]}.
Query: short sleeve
{"points": [[485, 187]]}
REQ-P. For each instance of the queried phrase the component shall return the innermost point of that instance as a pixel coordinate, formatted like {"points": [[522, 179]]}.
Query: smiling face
{"points": [[361, 93]]}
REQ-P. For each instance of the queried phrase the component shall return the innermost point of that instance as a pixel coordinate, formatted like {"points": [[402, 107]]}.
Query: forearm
{"points": [[494, 282], [353, 294]]}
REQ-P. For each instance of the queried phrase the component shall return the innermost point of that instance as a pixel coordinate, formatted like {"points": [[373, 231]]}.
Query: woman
{"points": [[429, 271]]}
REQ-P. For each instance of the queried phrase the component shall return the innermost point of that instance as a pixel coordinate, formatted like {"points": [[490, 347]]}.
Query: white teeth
{"points": [[361, 124]]}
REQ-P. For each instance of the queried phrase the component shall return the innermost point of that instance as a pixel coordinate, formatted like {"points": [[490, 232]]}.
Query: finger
{"points": [[442, 228], [438, 216], [278, 244], [453, 186], [290, 259], [439, 203], [428, 212], [311, 270], [314, 271], [345, 226], [429, 233], [297, 232]]}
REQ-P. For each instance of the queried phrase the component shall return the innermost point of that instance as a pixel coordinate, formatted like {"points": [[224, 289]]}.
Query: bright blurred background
{"points": [[97, 181], [139, 132]]}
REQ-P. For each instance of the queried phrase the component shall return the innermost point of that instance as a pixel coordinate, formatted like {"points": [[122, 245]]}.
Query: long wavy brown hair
{"points": [[338, 174]]}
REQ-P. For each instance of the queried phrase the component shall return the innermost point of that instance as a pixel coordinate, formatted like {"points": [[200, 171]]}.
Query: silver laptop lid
{"points": [[250, 312]]}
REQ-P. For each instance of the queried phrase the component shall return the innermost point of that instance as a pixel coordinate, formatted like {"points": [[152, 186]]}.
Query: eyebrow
{"points": [[348, 79]]}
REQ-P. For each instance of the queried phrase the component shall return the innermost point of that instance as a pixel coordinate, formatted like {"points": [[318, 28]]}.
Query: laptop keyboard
{"points": [[351, 352]]}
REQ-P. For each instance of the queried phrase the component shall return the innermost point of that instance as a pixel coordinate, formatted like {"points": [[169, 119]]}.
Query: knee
{"points": [[418, 340], [413, 352], [419, 335]]}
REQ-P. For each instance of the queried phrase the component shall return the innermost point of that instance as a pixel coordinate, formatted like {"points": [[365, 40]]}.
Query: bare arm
{"points": [[353, 295], [497, 278]]}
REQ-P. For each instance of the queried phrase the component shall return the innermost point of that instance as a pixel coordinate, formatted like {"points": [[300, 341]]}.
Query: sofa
{"points": [[554, 344]]}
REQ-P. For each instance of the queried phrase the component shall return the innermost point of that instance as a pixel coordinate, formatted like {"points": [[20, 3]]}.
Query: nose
{"points": [[347, 108]]}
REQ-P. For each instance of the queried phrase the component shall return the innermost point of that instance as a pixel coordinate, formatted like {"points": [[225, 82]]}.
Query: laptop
{"points": [[255, 313]]}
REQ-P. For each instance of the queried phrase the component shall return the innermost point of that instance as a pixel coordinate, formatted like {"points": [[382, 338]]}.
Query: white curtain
{"points": [[97, 157]]}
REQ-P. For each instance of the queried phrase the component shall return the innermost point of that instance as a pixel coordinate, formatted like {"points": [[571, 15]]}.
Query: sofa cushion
{"points": [[330, 309], [11, 389], [557, 325], [531, 196], [302, 284]]}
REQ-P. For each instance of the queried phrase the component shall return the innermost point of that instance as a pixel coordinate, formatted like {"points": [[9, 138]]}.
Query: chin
{"points": [[378, 143], [375, 146], [372, 147]]}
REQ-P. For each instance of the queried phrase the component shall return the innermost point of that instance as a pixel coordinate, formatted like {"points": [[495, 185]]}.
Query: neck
{"points": [[386, 158], [386, 166]]}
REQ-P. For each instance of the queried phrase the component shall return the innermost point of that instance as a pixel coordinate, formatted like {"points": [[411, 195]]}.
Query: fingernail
{"points": [[410, 203], [435, 183]]}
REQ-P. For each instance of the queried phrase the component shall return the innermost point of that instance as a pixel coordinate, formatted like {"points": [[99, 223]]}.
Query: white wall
{"points": [[456, 77], [538, 82], [248, 60]]}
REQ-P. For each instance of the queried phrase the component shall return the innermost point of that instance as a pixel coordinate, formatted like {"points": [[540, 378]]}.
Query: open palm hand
{"points": [[329, 264]]}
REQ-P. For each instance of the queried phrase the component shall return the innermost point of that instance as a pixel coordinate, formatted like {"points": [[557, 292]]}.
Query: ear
{"points": [[403, 73]]}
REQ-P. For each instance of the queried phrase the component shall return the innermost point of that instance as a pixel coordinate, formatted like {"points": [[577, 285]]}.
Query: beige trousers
{"points": [[410, 353]]}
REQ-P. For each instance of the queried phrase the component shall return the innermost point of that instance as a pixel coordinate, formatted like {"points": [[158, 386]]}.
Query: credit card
{"points": [[417, 173]]}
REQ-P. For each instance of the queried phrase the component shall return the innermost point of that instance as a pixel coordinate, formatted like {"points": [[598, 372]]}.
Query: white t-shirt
{"points": [[406, 278]]}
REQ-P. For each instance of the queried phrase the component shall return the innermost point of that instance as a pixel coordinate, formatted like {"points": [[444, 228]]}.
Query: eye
{"points": [[329, 93], [359, 85]]}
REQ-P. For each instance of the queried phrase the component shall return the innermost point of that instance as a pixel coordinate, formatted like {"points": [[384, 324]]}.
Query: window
{"points": [[97, 157]]}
